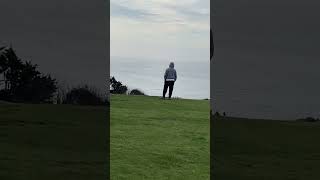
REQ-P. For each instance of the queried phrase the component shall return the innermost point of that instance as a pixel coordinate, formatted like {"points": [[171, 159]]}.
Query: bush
{"points": [[136, 92], [117, 86], [309, 119], [83, 96], [5, 95], [217, 114]]}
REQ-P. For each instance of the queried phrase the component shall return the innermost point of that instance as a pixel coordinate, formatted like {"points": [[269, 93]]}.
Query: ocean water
{"points": [[193, 80], [267, 87], [266, 65]]}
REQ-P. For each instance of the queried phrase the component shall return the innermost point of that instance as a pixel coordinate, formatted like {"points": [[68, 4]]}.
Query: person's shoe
{"points": [[162, 98]]}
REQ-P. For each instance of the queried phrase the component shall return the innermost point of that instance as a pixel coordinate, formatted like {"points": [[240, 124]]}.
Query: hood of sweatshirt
{"points": [[171, 65]]}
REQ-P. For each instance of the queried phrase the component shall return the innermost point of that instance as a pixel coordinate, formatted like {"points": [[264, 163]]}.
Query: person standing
{"points": [[170, 76]]}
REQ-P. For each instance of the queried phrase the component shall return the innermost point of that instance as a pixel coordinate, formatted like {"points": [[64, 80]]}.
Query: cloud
{"points": [[200, 14], [118, 10], [160, 28], [163, 11]]}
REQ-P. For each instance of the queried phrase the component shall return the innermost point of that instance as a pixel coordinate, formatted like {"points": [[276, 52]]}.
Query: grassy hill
{"points": [[247, 149], [52, 142], [159, 139], [151, 139]]}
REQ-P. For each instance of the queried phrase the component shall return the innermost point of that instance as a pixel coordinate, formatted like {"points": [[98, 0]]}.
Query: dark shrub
{"points": [[4, 95], [83, 96], [217, 114], [136, 92], [309, 119], [117, 86]]}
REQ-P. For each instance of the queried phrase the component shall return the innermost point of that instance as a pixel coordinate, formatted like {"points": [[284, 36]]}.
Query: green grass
{"points": [[151, 139], [246, 149], [159, 139], [52, 142]]}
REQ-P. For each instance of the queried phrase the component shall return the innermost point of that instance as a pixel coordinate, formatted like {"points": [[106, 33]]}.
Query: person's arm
{"points": [[175, 74], [166, 74]]}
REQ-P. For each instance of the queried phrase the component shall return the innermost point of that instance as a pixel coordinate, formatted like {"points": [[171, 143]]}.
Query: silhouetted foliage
{"points": [[62, 89], [136, 92], [118, 87], [22, 82], [309, 119], [83, 96], [217, 114]]}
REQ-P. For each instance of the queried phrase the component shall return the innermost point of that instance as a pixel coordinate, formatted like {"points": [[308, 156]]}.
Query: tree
{"points": [[117, 86], [62, 91], [22, 81], [3, 66]]}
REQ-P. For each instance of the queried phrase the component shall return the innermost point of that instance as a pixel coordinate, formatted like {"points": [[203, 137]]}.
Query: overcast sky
{"points": [[160, 29], [67, 39]]}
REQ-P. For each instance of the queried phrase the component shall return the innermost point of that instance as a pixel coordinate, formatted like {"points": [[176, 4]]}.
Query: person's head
{"points": [[171, 65]]}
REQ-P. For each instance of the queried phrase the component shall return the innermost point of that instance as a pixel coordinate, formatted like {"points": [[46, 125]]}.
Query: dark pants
{"points": [[167, 84]]}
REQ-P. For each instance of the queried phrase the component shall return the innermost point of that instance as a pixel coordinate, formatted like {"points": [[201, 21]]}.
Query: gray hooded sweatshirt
{"points": [[170, 74]]}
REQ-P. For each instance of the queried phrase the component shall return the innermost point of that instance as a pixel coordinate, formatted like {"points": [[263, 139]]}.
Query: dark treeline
{"points": [[20, 81]]}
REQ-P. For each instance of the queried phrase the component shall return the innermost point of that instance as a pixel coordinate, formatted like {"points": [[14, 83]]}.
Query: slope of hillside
{"points": [[159, 139], [247, 149], [52, 142]]}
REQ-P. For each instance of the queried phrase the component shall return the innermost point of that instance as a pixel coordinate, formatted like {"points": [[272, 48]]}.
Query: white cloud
{"points": [[160, 28]]}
